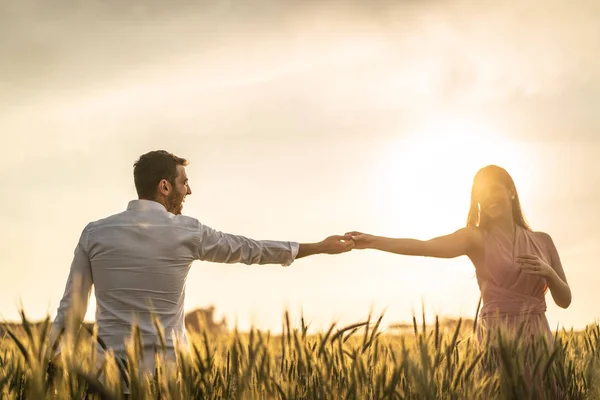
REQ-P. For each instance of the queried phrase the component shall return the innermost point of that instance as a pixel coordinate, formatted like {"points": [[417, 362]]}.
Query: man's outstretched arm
{"points": [[212, 245]]}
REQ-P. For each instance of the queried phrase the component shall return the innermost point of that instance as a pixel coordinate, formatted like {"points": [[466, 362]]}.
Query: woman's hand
{"points": [[361, 240], [534, 265]]}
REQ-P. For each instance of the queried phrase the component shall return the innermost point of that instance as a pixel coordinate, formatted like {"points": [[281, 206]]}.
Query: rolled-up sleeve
{"points": [[220, 247]]}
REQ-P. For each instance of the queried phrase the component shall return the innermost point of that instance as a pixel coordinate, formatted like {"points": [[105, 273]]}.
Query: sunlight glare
{"points": [[423, 181]]}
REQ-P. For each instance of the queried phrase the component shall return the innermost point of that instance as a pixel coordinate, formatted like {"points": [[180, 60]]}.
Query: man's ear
{"points": [[164, 187]]}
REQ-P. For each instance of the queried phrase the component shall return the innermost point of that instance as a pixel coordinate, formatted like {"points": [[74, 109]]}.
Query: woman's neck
{"points": [[507, 225]]}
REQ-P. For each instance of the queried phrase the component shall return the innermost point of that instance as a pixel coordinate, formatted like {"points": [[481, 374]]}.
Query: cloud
{"points": [[104, 72]]}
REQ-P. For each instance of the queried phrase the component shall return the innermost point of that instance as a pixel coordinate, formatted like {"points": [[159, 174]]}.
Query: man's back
{"points": [[139, 260]]}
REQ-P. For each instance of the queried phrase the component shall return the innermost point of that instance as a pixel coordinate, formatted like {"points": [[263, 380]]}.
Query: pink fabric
{"points": [[510, 296]]}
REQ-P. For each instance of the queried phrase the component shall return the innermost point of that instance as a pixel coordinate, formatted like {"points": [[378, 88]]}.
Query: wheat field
{"points": [[359, 361]]}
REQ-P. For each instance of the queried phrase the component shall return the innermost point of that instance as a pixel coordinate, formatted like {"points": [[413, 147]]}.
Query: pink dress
{"points": [[510, 296]]}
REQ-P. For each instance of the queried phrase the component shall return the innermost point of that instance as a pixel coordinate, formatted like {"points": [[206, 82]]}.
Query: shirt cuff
{"points": [[295, 247]]}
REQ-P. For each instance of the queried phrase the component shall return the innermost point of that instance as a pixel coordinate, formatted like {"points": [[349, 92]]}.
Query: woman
{"points": [[515, 266]]}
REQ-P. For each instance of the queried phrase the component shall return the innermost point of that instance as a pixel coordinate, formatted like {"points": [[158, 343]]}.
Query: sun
{"points": [[422, 183]]}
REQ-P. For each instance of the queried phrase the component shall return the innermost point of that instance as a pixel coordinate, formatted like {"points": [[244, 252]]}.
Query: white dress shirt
{"points": [[138, 262]]}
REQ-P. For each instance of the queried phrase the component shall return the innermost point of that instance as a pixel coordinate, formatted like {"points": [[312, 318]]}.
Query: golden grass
{"points": [[353, 362]]}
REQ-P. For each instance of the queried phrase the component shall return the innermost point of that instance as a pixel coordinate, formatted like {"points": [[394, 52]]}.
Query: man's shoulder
{"points": [[102, 222], [125, 218], [185, 221]]}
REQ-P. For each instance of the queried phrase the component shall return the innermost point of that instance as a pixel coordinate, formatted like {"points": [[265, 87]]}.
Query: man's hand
{"points": [[337, 244], [332, 245]]}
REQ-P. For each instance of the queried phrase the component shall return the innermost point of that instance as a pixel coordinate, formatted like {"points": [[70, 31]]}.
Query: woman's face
{"points": [[494, 198]]}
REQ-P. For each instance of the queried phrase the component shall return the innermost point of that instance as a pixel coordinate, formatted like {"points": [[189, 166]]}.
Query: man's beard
{"points": [[174, 203]]}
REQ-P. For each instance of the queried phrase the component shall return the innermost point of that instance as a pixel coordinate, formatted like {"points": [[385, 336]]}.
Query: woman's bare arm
{"points": [[558, 285], [456, 244]]}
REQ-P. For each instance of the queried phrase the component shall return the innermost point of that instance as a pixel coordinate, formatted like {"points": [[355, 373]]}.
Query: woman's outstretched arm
{"points": [[456, 244]]}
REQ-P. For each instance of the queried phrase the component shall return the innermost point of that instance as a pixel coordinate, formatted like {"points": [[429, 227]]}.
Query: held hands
{"points": [[336, 244], [361, 240], [533, 265]]}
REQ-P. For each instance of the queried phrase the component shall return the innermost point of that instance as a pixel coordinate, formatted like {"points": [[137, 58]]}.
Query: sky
{"points": [[301, 120]]}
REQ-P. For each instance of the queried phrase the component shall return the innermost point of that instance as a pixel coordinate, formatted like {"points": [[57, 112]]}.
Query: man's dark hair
{"points": [[153, 167]]}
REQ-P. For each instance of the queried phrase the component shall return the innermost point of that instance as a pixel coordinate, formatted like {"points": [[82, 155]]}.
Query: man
{"points": [[138, 260]]}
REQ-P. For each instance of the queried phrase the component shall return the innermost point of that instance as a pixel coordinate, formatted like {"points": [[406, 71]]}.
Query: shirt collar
{"points": [[145, 205]]}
